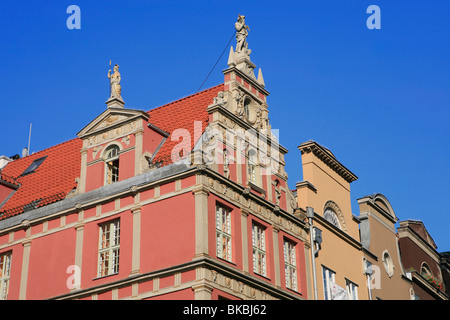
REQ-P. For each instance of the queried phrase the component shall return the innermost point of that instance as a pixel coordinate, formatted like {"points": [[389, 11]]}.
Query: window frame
{"points": [[112, 250], [352, 289], [112, 165], [331, 216], [259, 249], [5, 274], [222, 234], [33, 166], [328, 277], [290, 269]]}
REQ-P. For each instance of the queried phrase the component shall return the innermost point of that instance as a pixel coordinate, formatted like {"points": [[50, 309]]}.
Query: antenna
{"points": [[29, 139]]}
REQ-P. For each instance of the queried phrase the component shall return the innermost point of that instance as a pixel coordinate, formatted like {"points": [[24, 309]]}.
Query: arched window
{"points": [[112, 164], [247, 102], [331, 217], [388, 263], [425, 270]]}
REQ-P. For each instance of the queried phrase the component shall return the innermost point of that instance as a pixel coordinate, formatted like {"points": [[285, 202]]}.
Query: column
{"points": [[24, 276], [136, 249], [201, 221]]}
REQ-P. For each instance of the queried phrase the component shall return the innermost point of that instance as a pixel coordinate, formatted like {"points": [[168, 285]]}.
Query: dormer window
{"points": [[32, 168], [112, 164]]}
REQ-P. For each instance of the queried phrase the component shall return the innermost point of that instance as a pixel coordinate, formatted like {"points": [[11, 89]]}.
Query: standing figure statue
{"points": [[114, 80], [241, 35]]}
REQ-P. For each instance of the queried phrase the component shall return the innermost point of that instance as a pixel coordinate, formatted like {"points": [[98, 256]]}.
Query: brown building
{"points": [[421, 260]]}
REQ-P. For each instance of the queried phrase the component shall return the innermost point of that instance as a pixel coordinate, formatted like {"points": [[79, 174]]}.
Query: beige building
{"points": [[338, 267], [356, 258], [382, 260]]}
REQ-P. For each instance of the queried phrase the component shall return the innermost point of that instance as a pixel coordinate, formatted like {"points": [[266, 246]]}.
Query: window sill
{"points": [[227, 261], [262, 276], [103, 277], [256, 188]]}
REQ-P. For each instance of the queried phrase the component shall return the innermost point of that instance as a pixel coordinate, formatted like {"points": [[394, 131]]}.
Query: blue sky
{"points": [[379, 99]]}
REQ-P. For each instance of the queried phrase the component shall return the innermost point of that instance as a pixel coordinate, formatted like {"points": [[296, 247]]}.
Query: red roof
{"points": [[55, 177], [181, 114]]}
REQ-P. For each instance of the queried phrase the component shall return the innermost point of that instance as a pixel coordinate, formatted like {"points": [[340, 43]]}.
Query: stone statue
{"points": [[241, 35], [114, 80]]}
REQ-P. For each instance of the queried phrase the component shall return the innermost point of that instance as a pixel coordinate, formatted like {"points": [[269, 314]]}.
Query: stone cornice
{"points": [[328, 159], [371, 202], [253, 82]]}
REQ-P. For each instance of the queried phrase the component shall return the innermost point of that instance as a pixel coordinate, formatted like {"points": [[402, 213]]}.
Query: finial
{"points": [[260, 79]]}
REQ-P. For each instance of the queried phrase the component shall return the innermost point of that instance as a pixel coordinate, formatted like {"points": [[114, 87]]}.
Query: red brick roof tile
{"points": [[55, 177]]}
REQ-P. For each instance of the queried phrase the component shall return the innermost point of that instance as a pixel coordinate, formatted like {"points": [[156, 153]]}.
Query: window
{"points": [[425, 270], [247, 103], [33, 166], [112, 164], [290, 265], [331, 216], [251, 166], [352, 290], [108, 252], [388, 263], [223, 233], [328, 279], [259, 249], [5, 271]]}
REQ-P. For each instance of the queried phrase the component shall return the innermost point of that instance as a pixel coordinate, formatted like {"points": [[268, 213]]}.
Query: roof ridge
{"points": [[184, 98], [51, 147]]}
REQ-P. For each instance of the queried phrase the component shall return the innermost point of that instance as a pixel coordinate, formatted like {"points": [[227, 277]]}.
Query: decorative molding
{"points": [[328, 158]]}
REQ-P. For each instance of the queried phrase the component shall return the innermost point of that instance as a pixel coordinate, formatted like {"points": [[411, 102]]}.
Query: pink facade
{"points": [[132, 224]]}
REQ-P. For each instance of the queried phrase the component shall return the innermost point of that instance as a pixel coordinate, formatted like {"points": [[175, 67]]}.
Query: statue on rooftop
{"points": [[241, 35], [114, 80]]}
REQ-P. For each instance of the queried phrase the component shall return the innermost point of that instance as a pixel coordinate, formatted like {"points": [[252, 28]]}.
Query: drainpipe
{"points": [[310, 215]]}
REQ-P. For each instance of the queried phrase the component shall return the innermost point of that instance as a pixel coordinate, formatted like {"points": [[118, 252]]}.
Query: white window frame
{"points": [[290, 264], [109, 248], [110, 168], [5, 273], [223, 233], [329, 277], [259, 249], [352, 290]]}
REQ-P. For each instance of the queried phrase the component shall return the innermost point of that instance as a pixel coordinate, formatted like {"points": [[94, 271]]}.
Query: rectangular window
{"points": [[290, 265], [259, 249], [109, 245], [223, 233], [328, 279], [5, 271], [352, 290]]}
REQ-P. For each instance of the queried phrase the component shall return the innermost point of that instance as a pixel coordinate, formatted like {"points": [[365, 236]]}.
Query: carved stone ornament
{"points": [[241, 35], [220, 99], [114, 81]]}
